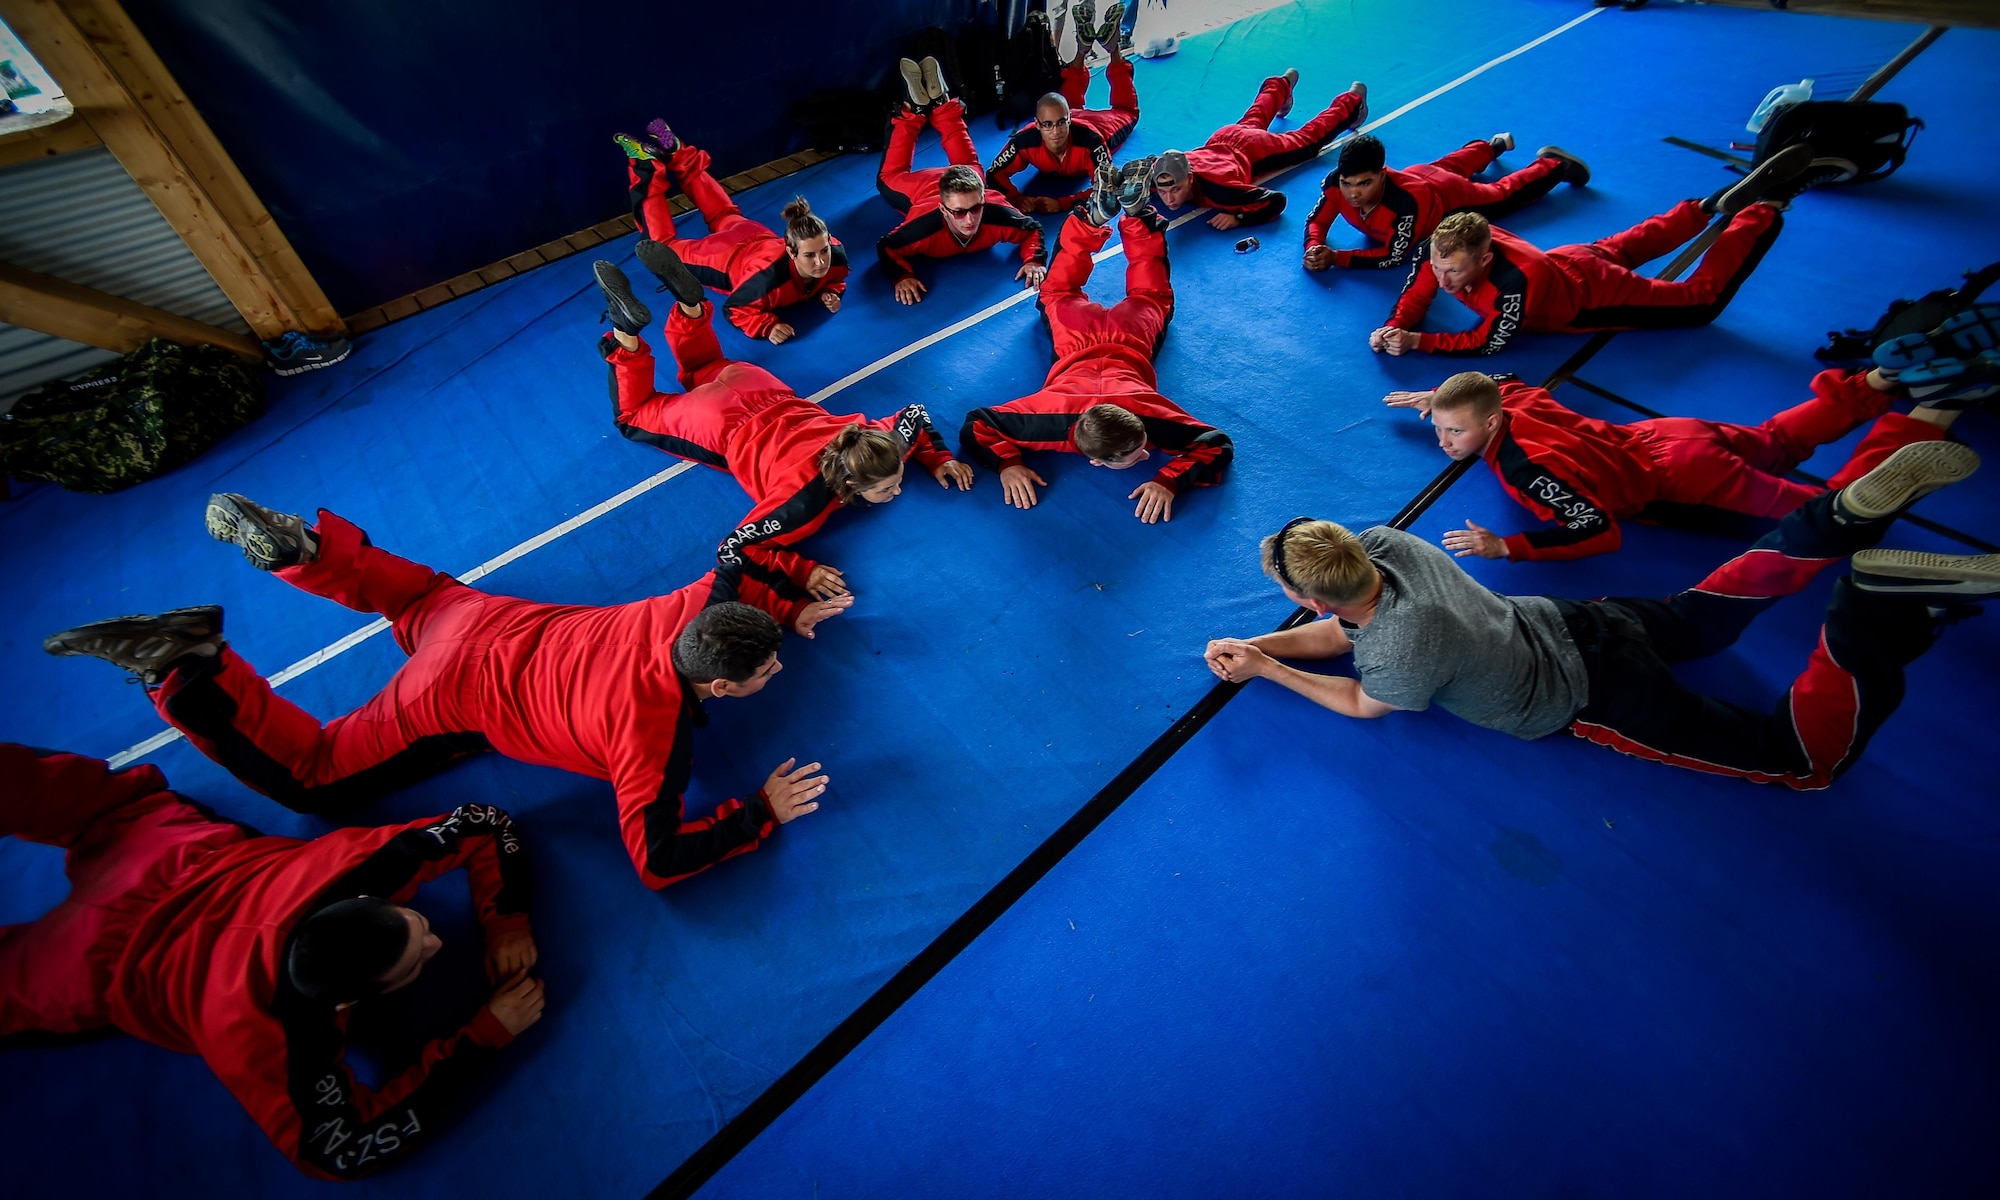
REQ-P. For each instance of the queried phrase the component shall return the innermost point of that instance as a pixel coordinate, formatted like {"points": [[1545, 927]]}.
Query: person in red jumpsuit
{"points": [[614, 693], [1222, 174], [1571, 289], [1102, 398], [1396, 209], [946, 211], [1066, 139], [798, 462], [757, 270], [1587, 475], [209, 938]]}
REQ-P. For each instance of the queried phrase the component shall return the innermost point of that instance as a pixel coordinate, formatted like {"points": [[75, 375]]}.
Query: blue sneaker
{"points": [[1961, 335], [296, 353]]}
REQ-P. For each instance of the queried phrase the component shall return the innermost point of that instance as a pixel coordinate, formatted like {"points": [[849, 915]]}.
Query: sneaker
{"points": [[296, 353], [1951, 577], [1360, 116], [1101, 207], [1905, 477], [1501, 143], [144, 645], [1953, 383], [933, 75], [1768, 176], [1960, 335], [1112, 32], [633, 147], [660, 138], [269, 539], [913, 84], [1084, 12], [1291, 77], [1135, 186], [1576, 172], [621, 307], [1817, 172], [667, 267]]}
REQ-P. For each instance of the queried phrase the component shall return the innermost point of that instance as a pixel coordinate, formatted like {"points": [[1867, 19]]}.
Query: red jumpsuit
{"points": [[1226, 168], [1415, 199], [1587, 474], [924, 232], [1093, 134], [177, 927], [739, 257], [1573, 289], [740, 418], [1103, 356], [590, 690]]}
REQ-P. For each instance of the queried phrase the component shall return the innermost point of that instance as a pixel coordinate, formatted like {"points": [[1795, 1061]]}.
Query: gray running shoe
{"points": [[1109, 32], [1135, 186], [1905, 477], [1291, 77], [1101, 206], [270, 540], [1938, 577], [1576, 172], [144, 645]]}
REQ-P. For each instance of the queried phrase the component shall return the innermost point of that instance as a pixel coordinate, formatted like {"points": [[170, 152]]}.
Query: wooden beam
{"points": [[67, 310], [144, 151], [131, 58], [48, 141]]}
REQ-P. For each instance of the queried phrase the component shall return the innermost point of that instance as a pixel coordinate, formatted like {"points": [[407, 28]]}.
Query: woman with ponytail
{"points": [[759, 271], [797, 461]]}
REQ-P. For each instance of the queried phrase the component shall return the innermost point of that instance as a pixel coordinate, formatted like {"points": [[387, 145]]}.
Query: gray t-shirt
{"points": [[1438, 637]]}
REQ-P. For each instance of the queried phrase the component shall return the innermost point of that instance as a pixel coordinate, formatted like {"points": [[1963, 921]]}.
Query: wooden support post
{"points": [[50, 140], [144, 149], [68, 310]]}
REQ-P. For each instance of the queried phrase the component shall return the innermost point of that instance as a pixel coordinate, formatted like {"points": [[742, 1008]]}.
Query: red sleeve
{"points": [[1012, 225], [1000, 176], [1202, 453], [1419, 289], [1321, 222], [1543, 487]]}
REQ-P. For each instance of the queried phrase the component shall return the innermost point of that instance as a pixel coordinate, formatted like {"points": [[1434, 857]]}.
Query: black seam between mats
{"points": [[739, 1131]]}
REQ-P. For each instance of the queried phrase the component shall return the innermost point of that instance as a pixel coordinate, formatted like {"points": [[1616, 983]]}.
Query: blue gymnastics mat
{"points": [[1000, 668]]}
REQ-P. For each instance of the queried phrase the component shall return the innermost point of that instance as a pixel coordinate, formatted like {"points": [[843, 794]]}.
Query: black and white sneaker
{"points": [[147, 646], [1935, 577], [1767, 177], [269, 539], [296, 353], [1905, 477], [1135, 186], [624, 310], [934, 85], [1101, 206], [667, 267], [1291, 77], [1576, 172]]}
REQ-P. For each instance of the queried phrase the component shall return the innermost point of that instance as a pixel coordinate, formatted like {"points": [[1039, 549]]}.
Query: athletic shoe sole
{"points": [[1109, 31], [234, 519], [621, 305], [1906, 477], [1774, 172], [1135, 185], [913, 83], [933, 80], [337, 352], [1960, 335], [668, 268], [1576, 172], [1928, 576]]}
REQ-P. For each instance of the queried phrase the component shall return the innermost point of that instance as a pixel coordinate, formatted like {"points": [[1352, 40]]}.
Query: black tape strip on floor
{"points": [[740, 1130]]}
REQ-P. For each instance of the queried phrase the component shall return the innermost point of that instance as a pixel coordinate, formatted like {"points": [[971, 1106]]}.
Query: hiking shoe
{"points": [[1905, 477], [1135, 186], [1953, 383], [933, 75], [621, 307], [667, 267], [1961, 335], [1768, 176], [913, 84], [1291, 76], [1101, 206], [633, 147], [1110, 33], [144, 645], [270, 540], [296, 353], [1576, 172], [1501, 143], [660, 139], [1950, 577]]}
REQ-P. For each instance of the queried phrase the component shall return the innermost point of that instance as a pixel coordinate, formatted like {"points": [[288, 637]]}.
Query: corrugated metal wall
{"points": [[81, 218]]}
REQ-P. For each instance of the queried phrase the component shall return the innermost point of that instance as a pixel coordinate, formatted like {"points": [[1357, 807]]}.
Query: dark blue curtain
{"points": [[402, 142]]}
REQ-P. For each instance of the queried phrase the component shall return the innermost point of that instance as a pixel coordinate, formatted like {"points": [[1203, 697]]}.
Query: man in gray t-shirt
{"points": [[1422, 632]]}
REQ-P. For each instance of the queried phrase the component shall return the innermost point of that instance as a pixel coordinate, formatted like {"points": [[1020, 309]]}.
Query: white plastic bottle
{"points": [[1791, 93]]}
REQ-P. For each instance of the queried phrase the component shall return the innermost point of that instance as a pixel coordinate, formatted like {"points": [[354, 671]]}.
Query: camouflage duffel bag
{"points": [[127, 421]]}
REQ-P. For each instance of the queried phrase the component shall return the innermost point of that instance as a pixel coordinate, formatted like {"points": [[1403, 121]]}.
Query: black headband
{"points": [[1278, 552]]}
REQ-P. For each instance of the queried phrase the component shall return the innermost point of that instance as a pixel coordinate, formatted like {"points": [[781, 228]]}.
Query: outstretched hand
{"points": [[1223, 220], [1017, 485], [1156, 502], [509, 954], [826, 582], [1421, 401], [793, 794], [953, 471], [518, 1002], [910, 291], [1475, 539], [1032, 274], [821, 610]]}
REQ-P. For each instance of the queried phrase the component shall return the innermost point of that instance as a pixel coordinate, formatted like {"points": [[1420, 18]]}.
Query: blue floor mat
{"points": [[999, 669]]}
